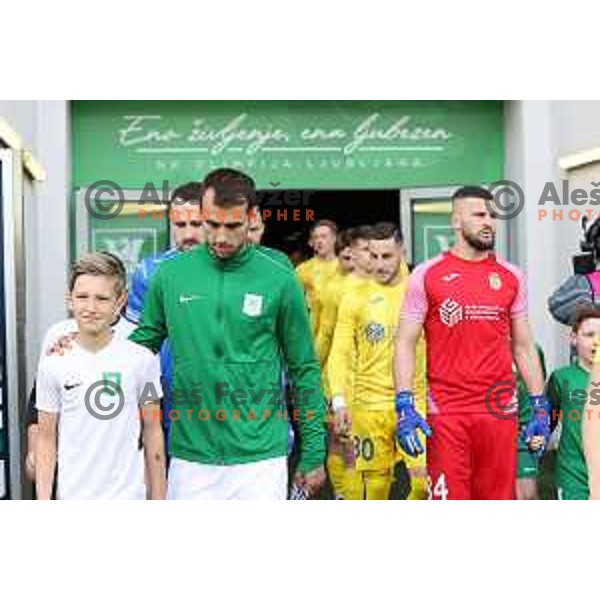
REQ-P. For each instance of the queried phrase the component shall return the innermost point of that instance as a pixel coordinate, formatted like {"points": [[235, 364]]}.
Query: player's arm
{"points": [[293, 331], [327, 322], [405, 352], [591, 429], [417, 467], [526, 356], [152, 329], [341, 361], [405, 362], [410, 326], [527, 360]]}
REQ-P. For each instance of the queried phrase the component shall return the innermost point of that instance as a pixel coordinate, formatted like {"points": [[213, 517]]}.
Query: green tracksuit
{"points": [[566, 390], [231, 323], [276, 255]]}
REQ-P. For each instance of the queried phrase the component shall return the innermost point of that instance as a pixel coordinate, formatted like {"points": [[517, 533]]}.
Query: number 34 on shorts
{"points": [[437, 490]]}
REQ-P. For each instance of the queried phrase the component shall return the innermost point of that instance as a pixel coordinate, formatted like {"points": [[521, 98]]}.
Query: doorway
{"points": [[347, 208]]}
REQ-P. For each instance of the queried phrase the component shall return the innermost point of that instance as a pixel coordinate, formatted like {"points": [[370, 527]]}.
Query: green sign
{"points": [[292, 144], [130, 238], [432, 234]]}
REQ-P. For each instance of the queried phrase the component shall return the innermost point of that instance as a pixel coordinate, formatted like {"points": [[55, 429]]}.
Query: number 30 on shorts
{"points": [[439, 490], [364, 448]]}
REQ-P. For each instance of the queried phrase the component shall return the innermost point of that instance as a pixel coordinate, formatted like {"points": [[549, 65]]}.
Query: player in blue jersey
{"points": [[186, 222]]}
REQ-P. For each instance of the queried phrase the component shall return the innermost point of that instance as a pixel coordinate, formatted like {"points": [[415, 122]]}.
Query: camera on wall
{"points": [[587, 261]]}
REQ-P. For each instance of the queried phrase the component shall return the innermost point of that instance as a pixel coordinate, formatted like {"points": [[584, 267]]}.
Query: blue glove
{"points": [[540, 422], [409, 421]]}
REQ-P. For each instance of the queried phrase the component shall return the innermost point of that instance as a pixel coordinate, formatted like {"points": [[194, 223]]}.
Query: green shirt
{"points": [[230, 324], [566, 391]]}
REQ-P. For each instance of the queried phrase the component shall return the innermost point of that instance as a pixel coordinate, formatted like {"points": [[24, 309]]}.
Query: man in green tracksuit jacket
{"points": [[233, 315]]}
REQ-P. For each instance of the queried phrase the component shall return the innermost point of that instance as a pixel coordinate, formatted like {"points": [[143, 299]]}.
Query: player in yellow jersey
{"points": [[314, 272], [347, 281], [360, 368], [348, 277]]}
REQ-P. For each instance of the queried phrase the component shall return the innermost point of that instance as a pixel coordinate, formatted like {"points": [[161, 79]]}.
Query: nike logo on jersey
{"points": [[70, 386], [450, 277], [184, 299]]}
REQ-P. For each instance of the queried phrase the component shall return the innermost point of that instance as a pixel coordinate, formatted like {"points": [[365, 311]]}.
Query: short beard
{"points": [[478, 244]]}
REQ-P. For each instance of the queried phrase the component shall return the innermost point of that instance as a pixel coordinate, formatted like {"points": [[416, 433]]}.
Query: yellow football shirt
{"points": [[362, 350], [314, 274]]}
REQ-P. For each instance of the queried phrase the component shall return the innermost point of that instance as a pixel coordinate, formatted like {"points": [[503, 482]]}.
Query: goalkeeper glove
{"points": [[540, 422], [409, 421]]}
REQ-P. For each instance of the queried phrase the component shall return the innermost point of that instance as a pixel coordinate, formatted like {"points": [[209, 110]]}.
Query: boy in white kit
{"points": [[98, 398]]}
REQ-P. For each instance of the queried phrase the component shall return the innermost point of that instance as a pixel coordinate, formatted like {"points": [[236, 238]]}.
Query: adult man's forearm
{"points": [[310, 406], [404, 365], [528, 363]]}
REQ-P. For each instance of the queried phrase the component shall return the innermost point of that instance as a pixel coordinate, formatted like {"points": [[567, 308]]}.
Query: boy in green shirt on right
{"points": [[567, 392]]}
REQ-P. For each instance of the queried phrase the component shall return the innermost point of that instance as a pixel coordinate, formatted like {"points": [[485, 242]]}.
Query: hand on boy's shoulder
{"points": [[62, 345]]}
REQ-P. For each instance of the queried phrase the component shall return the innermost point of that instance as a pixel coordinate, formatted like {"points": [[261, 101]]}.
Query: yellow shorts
{"points": [[375, 446]]}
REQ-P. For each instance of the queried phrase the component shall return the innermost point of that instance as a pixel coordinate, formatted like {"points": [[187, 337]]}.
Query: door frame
{"points": [[12, 271], [410, 196], [82, 218]]}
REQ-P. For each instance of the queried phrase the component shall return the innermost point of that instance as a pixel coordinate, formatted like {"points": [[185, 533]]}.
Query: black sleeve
{"points": [[31, 417], [563, 303]]}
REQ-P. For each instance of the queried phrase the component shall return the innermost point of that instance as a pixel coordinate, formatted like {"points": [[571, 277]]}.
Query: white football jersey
{"points": [[99, 454]]}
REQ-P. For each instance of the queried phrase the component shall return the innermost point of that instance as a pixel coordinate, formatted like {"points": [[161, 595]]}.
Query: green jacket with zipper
{"points": [[231, 324]]}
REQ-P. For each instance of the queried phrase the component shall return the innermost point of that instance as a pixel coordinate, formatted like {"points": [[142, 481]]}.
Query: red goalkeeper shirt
{"points": [[466, 308]]}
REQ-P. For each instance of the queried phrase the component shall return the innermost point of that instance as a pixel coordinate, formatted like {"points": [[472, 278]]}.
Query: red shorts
{"points": [[472, 456]]}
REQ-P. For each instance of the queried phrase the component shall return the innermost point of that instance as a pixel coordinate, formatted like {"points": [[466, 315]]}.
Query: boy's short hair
{"points": [[100, 263], [583, 313]]}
